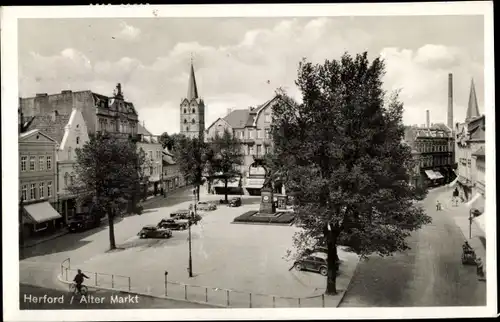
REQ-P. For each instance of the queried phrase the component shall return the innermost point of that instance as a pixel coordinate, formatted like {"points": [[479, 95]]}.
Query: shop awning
{"points": [[38, 213], [430, 174], [438, 174]]}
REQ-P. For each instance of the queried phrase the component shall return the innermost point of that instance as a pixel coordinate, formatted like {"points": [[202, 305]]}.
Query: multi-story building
{"points": [[432, 149], [38, 184], [470, 153], [172, 176], [101, 113], [252, 127], [192, 110], [152, 168]]}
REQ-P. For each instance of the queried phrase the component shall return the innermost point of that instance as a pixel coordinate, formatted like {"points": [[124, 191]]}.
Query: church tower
{"points": [[192, 110]]}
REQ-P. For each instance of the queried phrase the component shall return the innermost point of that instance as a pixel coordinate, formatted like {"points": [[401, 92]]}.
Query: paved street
{"points": [[37, 298], [430, 274]]}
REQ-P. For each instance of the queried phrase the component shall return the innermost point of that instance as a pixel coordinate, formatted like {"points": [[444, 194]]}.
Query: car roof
{"points": [[320, 255], [180, 211]]}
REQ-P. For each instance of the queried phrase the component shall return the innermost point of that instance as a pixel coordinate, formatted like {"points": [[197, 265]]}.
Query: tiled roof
{"points": [[53, 126], [142, 130], [237, 118]]}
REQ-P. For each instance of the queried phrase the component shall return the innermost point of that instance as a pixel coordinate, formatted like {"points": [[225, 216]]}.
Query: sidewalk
{"points": [[460, 215], [35, 241]]}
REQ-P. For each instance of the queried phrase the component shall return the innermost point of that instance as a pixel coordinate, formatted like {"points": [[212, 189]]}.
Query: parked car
{"points": [[186, 215], [151, 231], [235, 202], [173, 224], [204, 206], [316, 262], [82, 222]]}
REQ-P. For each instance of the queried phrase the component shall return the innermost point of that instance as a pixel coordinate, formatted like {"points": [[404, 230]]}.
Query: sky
{"points": [[240, 62]]}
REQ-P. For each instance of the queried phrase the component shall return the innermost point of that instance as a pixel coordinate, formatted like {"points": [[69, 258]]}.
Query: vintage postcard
{"points": [[248, 161]]}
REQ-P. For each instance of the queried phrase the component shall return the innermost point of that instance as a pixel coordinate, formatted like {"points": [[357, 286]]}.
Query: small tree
{"points": [[226, 158], [190, 154], [107, 171], [342, 153]]}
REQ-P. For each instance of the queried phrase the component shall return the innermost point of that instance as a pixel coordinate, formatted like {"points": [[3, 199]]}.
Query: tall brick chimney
{"points": [[450, 100], [427, 119]]}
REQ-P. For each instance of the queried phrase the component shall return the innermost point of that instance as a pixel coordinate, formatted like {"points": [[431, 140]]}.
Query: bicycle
{"points": [[83, 289]]}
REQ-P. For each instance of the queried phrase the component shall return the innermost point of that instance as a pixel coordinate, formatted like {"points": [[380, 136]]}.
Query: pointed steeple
{"points": [[473, 108], [192, 89]]}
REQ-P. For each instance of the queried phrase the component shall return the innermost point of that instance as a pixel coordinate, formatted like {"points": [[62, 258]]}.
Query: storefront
{"points": [[40, 219], [233, 187], [434, 177]]}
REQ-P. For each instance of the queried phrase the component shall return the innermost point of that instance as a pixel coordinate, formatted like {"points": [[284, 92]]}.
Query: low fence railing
{"points": [[195, 293]]}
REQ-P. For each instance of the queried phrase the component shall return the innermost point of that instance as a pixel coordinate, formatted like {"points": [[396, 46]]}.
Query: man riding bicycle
{"points": [[79, 278]]}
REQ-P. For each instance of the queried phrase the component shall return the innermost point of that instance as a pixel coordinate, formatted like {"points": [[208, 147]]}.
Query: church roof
{"points": [[472, 108], [192, 88]]}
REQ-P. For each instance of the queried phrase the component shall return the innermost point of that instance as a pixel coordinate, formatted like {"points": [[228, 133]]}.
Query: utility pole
{"points": [[190, 268]]}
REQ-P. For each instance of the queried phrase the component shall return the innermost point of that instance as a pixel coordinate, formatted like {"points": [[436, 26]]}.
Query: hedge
{"points": [[283, 218]]}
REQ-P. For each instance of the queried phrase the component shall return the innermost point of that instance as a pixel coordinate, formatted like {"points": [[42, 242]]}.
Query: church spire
{"points": [[472, 109], [192, 89]]}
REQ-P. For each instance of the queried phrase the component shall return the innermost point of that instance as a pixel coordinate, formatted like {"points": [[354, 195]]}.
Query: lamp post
{"points": [[190, 267], [470, 223]]}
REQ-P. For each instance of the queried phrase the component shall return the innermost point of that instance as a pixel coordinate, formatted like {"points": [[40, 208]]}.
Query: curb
{"points": [[59, 277], [260, 223], [45, 240], [349, 284]]}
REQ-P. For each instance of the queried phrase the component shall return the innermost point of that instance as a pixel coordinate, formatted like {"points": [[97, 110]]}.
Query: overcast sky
{"points": [[235, 58]]}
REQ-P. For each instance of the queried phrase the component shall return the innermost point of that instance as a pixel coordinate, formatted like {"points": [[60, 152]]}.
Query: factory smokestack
{"points": [[427, 119], [450, 100]]}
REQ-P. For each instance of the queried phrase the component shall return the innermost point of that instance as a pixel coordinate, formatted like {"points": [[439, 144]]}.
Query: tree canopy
{"points": [[340, 151], [108, 172], [225, 158], [170, 141]]}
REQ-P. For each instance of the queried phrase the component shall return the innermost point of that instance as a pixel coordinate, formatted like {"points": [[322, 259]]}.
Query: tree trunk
{"points": [[111, 216], [225, 191], [197, 193], [332, 261]]}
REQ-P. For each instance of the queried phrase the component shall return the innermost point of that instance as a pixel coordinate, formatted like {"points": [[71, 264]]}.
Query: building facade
{"points": [[252, 127], [38, 184], [192, 110], [172, 176], [433, 153], [152, 149]]}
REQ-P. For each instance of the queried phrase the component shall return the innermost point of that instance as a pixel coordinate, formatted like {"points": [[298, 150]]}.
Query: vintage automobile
{"points": [[204, 206], [151, 231], [173, 224], [315, 262], [235, 202], [186, 215], [83, 221]]}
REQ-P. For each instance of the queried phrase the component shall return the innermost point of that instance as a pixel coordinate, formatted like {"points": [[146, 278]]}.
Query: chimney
{"points": [[427, 118], [450, 100], [228, 111]]}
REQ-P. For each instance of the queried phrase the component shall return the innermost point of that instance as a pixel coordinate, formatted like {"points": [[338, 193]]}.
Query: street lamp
{"points": [[190, 267]]}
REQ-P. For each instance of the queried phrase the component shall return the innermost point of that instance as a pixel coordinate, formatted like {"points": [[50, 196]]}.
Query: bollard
{"points": [[227, 297], [185, 292], [274, 301], [112, 281], [299, 301], [95, 278], [206, 294], [323, 299], [250, 299], [129, 284]]}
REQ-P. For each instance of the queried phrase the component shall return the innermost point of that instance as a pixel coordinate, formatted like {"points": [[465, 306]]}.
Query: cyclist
{"points": [[79, 278]]}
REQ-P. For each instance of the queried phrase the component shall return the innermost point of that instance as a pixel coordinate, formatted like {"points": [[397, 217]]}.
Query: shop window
{"points": [[40, 227]]}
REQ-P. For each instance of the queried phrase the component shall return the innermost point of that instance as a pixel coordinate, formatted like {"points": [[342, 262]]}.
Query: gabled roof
{"points": [[237, 119], [25, 135], [51, 125], [479, 152], [472, 108], [217, 120], [142, 130]]}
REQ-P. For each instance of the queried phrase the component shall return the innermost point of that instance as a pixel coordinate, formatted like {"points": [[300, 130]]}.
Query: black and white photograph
{"points": [[319, 161]]}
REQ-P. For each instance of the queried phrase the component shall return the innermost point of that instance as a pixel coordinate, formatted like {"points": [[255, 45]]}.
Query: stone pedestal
{"points": [[266, 201]]}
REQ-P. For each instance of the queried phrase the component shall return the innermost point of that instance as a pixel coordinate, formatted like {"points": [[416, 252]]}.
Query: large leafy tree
{"points": [[191, 155], [340, 151], [226, 158], [108, 172], [170, 141]]}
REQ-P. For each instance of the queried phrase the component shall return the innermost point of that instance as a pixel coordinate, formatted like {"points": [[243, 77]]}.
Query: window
{"points": [[185, 121], [192, 121], [259, 149], [259, 134], [250, 150], [32, 163], [150, 154], [41, 163], [268, 133], [32, 191], [250, 134], [185, 111], [24, 192], [187, 128], [41, 187], [49, 162], [241, 134], [71, 179], [268, 118], [194, 111], [69, 153], [66, 178], [77, 140], [23, 163], [268, 149], [49, 189]]}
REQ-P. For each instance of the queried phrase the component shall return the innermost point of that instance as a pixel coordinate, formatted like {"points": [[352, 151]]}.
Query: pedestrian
{"points": [[438, 205], [479, 264]]}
